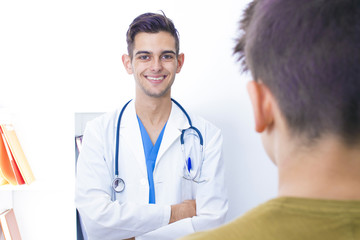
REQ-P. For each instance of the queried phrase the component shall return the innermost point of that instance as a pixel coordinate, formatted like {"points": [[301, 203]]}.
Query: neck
{"points": [[153, 110], [328, 170], [153, 113]]}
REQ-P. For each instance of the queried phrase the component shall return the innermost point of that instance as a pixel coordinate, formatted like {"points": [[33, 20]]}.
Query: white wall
{"points": [[62, 57]]}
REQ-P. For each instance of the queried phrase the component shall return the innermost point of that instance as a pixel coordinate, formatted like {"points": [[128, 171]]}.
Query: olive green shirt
{"points": [[292, 219]]}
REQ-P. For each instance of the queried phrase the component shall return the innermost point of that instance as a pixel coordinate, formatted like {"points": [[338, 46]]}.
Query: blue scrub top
{"points": [[151, 152]]}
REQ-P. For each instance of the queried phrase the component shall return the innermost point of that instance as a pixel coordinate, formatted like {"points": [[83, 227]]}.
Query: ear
{"points": [[262, 102], [127, 63], [180, 62]]}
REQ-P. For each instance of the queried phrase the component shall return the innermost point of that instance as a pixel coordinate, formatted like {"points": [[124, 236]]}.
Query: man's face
{"points": [[154, 63]]}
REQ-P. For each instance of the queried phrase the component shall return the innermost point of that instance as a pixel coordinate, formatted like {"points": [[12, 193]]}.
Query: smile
{"points": [[156, 79]]}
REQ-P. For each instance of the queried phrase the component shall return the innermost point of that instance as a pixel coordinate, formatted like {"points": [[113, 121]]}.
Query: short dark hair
{"points": [[151, 23], [308, 54]]}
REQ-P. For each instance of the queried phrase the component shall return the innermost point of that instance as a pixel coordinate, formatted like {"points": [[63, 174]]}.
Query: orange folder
{"points": [[14, 167], [6, 164]]}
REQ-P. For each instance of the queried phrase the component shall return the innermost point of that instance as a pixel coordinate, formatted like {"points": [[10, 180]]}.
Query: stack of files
{"points": [[8, 226], [14, 167]]}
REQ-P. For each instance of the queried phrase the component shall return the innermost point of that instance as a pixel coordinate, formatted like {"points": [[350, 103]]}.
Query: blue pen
{"points": [[189, 164]]}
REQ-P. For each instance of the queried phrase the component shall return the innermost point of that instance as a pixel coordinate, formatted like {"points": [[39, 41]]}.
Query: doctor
{"points": [[136, 180]]}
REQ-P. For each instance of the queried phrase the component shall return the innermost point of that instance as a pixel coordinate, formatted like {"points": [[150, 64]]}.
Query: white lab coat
{"points": [[107, 218]]}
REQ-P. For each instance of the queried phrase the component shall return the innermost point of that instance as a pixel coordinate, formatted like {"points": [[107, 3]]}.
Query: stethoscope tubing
{"points": [[117, 179], [118, 139]]}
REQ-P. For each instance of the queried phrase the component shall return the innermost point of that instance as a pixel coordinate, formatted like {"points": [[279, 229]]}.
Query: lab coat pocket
{"points": [[188, 189]]}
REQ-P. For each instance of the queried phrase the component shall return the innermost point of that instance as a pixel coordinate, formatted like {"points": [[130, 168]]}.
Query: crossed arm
{"points": [[186, 209]]}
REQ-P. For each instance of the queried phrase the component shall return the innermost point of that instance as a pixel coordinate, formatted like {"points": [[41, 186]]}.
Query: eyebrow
{"points": [[142, 52], [147, 52], [168, 51]]}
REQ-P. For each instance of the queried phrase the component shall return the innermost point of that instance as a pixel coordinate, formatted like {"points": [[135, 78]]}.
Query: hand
{"points": [[186, 209]]}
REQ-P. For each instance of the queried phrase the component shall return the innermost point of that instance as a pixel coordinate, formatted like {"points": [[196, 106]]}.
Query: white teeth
{"points": [[155, 79]]}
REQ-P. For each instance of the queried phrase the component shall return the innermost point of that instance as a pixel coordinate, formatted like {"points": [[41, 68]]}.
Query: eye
{"points": [[167, 56], [144, 57]]}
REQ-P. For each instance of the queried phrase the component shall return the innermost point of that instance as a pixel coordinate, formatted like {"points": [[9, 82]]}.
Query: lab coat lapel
{"points": [[130, 132], [176, 123]]}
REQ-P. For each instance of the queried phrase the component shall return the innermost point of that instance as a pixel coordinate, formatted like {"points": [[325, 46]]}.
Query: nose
{"points": [[156, 65]]}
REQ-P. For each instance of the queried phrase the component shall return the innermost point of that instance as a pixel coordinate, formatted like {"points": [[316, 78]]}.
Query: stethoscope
{"points": [[190, 172]]}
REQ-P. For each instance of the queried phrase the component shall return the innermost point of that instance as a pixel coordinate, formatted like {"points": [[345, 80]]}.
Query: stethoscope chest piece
{"points": [[118, 185]]}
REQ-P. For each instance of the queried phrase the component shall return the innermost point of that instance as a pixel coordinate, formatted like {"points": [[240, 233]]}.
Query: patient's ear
{"points": [[262, 103]]}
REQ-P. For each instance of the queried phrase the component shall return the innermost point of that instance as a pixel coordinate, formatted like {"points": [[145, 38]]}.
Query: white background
{"points": [[62, 57]]}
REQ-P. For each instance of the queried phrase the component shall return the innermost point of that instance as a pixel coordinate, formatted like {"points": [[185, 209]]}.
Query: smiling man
{"points": [[150, 170]]}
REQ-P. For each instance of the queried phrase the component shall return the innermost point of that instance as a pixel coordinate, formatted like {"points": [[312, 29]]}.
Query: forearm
{"points": [[186, 209], [171, 231], [118, 221], [186, 226], [179, 224]]}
